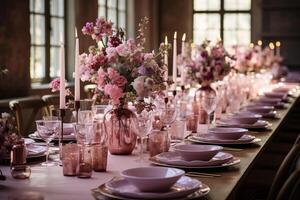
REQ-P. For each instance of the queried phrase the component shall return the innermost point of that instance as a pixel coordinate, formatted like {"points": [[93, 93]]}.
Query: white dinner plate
{"points": [[212, 139], [174, 158], [182, 188]]}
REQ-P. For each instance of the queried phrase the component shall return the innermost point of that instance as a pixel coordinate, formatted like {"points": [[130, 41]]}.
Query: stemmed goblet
{"points": [[48, 130], [168, 114], [144, 122]]}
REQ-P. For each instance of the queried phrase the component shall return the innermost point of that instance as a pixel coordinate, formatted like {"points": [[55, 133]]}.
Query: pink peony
{"points": [[112, 54], [116, 78], [55, 84], [114, 92]]}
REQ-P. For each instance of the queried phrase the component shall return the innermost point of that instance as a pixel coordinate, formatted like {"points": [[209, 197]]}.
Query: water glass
{"points": [[70, 159], [84, 133], [99, 157], [159, 142], [192, 122]]}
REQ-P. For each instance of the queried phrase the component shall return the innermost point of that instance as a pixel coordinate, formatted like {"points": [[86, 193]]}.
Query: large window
{"points": [[228, 19], [47, 31], [114, 10]]}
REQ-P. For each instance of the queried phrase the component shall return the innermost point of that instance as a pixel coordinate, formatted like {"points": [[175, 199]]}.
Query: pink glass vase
{"points": [[120, 129]]}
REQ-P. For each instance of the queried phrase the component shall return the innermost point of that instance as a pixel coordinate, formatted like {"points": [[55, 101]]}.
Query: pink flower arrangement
{"points": [[208, 63], [120, 68], [248, 59]]}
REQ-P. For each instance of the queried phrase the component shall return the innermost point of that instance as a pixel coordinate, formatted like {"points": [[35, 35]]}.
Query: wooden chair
{"points": [[51, 103], [89, 90], [26, 111], [287, 167], [291, 188]]}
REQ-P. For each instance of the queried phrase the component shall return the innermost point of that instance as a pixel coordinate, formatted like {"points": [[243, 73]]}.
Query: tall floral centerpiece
{"points": [[210, 63], [124, 73]]}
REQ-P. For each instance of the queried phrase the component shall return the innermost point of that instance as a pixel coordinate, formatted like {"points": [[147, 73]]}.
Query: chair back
{"points": [[26, 111], [52, 103], [291, 188], [286, 168], [89, 90]]}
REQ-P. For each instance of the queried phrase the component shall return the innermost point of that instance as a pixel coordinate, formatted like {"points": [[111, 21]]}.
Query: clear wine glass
{"points": [[48, 130], [144, 122], [168, 115]]}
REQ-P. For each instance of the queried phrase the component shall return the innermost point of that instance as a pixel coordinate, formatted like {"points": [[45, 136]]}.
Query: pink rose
{"points": [[114, 92], [122, 50]]}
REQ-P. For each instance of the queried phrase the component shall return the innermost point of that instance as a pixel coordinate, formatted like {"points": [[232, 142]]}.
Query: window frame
{"points": [[222, 13], [117, 12], [47, 45]]}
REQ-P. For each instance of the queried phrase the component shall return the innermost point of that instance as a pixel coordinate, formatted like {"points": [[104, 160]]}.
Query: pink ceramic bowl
{"points": [[152, 179], [197, 152], [260, 109], [246, 118], [228, 133]]}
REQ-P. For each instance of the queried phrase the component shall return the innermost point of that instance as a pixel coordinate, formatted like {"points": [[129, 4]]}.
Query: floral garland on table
{"points": [[120, 68], [209, 63], [8, 133]]}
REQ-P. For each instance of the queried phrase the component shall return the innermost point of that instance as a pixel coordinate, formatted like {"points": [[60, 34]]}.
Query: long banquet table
{"points": [[53, 185]]}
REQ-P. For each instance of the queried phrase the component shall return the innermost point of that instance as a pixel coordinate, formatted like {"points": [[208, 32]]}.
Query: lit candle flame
{"points": [[175, 35], [277, 44], [271, 45], [76, 33], [259, 42], [251, 45], [183, 37], [166, 40]]}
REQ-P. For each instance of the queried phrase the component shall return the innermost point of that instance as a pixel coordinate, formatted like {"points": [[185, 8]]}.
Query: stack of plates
{"points": [[174, 159], [210, 138], [184, 188], [260, 124]]}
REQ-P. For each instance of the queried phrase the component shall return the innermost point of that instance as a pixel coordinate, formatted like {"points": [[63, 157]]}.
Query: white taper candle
{"points": [[77, 78], [62, 90]]}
